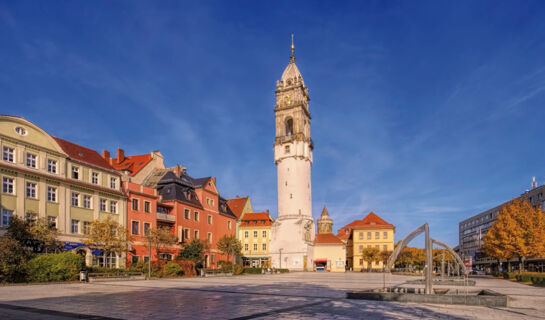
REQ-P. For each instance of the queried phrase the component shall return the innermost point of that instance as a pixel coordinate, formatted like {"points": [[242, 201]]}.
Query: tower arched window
{"points": [[289, 127]]}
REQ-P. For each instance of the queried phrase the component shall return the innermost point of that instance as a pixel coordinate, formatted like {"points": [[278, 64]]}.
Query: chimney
{"points": [[120, 155], [178, 170], [106, 155], [267, 211], [534, 183]]}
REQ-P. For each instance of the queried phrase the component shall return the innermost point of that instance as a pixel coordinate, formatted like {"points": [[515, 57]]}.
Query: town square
{"points": [[260, 160]]}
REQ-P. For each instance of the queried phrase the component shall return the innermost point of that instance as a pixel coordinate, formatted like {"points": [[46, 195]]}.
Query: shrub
{"points": [[509, 275], [172, 269], [13, 260], [107, 270], [55, 267], [188, 267], [252, 270], [282, 270]]}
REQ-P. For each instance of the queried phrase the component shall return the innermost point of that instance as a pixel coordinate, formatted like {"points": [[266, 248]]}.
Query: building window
{"points": [[75, 226], [51, 166], [135, 204], [361, 262], [31, 190], [7, 185], [385, 235], [212, 259], [134, 227], [186, 214], [255, 246], [87, 201], [255, 234], [107, 260], [94, 178], [113, 183], [52, 221], [245, 247], [134, 259], [8, 154], [264, 246], [360, 248], [147, 206], [209, 237], [245, 234], [361, 235], [31, 217], [287, 149], [264, 234], [113, 206], [209, 219], [385, 247], [229, 225], [368, 235], [6, 217], [146, 258], [31, 160], [103, 205], [186, 234], [196, 216], [377, 246], [75, 199], [20, 131], [196, 234], [86, 227], [51, 194], [377, 235], [147, 226], [75, 173], [368, 246]]}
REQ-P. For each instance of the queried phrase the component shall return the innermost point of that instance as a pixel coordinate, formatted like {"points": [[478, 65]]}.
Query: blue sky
{"points": [[422, 111]]}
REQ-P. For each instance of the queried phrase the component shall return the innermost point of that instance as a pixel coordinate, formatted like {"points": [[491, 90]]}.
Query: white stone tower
{"points": [[293, 231]]}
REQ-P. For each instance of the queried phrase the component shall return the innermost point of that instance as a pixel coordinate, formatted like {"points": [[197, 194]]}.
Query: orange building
{"points": [[199, 210]]}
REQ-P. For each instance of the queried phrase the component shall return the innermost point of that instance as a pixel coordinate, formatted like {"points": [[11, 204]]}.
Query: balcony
{"points": [[166, 217]]}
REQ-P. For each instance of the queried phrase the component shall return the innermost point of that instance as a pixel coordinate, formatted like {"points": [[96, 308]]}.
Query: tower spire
{"points": [[292, 56]]}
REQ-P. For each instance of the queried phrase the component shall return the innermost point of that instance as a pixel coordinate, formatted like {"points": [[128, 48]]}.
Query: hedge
{"points": [[252, 270], [55, 267]]}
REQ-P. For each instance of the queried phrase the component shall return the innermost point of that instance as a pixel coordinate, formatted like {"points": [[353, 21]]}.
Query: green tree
{"points": [[194, 251], [161, 238], [384, 256], [13, 260], [519, 232], [370, 255], [108, 235], [229, 245]]}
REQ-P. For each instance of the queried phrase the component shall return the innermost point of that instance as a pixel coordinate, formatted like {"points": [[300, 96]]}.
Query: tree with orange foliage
{"points": [[519, 232]]}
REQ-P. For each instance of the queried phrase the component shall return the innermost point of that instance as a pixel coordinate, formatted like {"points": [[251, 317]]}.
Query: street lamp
{"points": [[149, 256]]}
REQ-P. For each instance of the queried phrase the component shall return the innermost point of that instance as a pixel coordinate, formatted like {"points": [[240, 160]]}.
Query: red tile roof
{"points": [[327, 238], [237, 205], [370, 221], [133, 164], [256, 219], [83, 154]]}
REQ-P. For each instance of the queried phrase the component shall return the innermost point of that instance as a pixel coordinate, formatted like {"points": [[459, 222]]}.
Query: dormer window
{"points": [[21, 131], [75, 173]]}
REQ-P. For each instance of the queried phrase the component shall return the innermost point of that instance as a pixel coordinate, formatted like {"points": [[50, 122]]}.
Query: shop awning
{"points": [[320, 261]]}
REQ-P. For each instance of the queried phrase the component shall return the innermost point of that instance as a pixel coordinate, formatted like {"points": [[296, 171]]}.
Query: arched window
{"points": [[289, 127]]}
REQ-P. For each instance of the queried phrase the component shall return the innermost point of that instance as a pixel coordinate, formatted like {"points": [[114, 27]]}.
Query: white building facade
{"points": [[293, 231]]}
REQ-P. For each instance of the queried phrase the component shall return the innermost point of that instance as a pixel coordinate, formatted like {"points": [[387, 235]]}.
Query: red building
{"points": [[201, 213], [145, 212]]}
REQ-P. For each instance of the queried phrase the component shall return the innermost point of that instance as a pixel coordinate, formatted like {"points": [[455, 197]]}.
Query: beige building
{"points": [[48, 177], [329, 250], [255, 234], [370, 232]]}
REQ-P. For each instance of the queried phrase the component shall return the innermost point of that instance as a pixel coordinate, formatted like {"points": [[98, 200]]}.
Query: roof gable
{"points": [[237, 205], [83, 154], [133, 164]]}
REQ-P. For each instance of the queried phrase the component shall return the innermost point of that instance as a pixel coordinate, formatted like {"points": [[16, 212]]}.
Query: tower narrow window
{"points": [[289, 127]]}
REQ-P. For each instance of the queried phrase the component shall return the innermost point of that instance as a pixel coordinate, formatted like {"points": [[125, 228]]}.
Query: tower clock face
{"points": [[287, 98]]}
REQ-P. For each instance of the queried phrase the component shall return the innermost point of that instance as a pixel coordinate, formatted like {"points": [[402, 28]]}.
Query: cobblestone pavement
{"points": [[287, 296]]}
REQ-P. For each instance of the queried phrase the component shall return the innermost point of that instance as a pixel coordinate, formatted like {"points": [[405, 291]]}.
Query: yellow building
{"points": [[370, 232], [329, 250], [254, 234], [47, 177]]}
